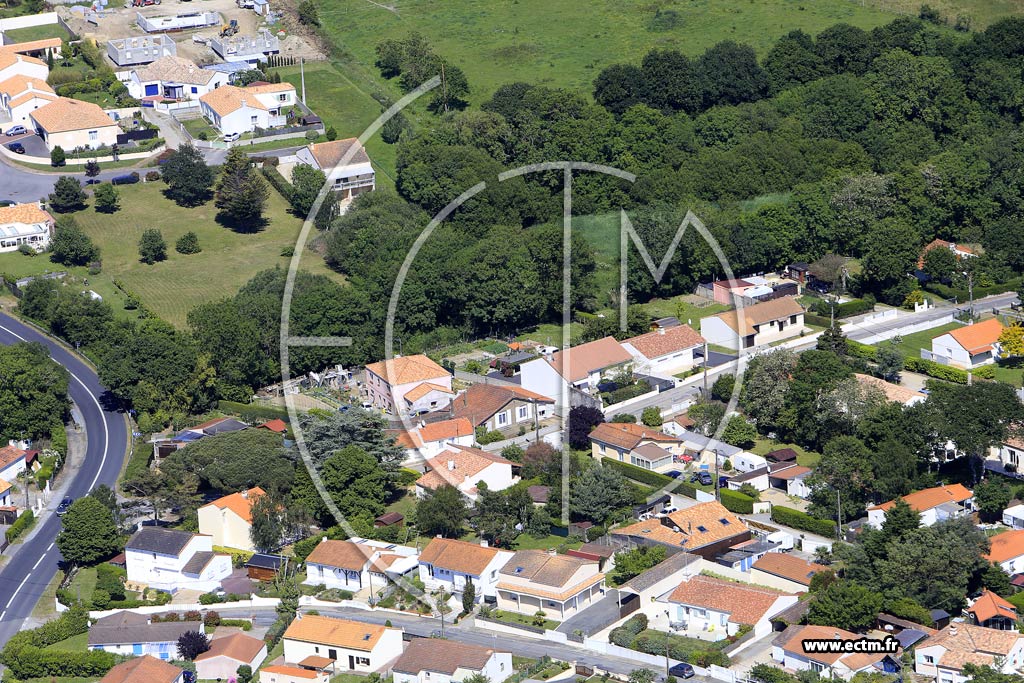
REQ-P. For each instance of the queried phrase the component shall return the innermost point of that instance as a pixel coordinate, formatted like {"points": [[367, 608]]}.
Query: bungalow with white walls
{"points": [[344, 162], [20, 95], [234, 110], [424, 662], [1007, 550], [786, 572], [451, 564], [13, 460], [228, 520], [559, 585], [13, 64], [352, 645], [969, 346], [128, 633], [719, 607], [425, 441], [934, 505], [74, 124], [172, 78], [227, 653], [169, 560], [1013, 516], [941, 656], [358, 563], [620, 441], [581, 367], [26, 224], [755, 325], [464, 468], [664, 351], [788, 651]]}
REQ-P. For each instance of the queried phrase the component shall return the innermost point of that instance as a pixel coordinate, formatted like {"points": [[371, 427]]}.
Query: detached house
{"points": [[705, 529], [344, 162], [943, 655], [350, 645], [14, 64], [560, 585], [26, 224], [502, 408], [1007, 550], [13, 460], [74, 124], [893, 392], [970, 346], [357, 564], [408, 385], [581, 367], [755, 325], [144, 669], [228, 520], [169, 560], [464, 468], [228, 653], [635, 444], [20, 95], [236, 110], [128, 633], [450, 564], [959, 250], [172, 78], [428, 440], [934, 505], [719, 607], [665, 350], [425, 662], [991, 611], [785, 571], [788, 650]]}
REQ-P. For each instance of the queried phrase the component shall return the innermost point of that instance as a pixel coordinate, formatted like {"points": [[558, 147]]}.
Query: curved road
{"points": [[25, 185], [24, 578]]}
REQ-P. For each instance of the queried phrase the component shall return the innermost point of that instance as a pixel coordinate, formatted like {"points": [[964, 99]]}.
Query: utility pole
{"points": [[302, 74], [667, 641], [715, 451], [705, 371], [839, 517]]}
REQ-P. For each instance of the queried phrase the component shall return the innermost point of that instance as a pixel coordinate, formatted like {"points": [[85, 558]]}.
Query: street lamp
{"points": [[667, 641]]}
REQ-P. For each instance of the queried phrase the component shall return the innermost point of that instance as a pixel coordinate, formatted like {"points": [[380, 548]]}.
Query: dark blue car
{"points": [[126, 179]]}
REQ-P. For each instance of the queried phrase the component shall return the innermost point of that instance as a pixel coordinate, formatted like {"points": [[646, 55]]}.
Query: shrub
{"points": [[624, 418], [484, 437], [152, 176], [801, 520], [844, 310], [20, 526], [936, 370], [277, 181], [687, 489], [737, 502], [638, 473], [212, 619], [858, 350]]}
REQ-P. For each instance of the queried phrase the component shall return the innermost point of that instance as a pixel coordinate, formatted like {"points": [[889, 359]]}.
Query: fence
{"points": [[13, 23]]}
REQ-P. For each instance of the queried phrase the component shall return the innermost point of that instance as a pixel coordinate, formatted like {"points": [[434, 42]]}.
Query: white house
{"points": [[24, 224], [558, 585], [665, 351], [934, 505], [344, 162], [790, 477], [236, 110], [788, 650], [1013, 516], [502, 408], [464, 468], [358, 563], [172, 78], [785, 572], [228, 520], [581, 367], [969, 346], [1007, 550], [719, 608], [424, 441], [388, 383], [20, 95], [228, 653], [757, 478], [942, 656], [169, 560], [145, 669], [1010, 454], [128, 633], [756, 325], [451, 564], [352, 645], [425, 662], [635, 444], [74, 124], [14, 64], [12, 459], [5, 493]]}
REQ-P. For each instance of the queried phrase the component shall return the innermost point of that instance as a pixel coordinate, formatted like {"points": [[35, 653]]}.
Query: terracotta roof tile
{"points": [[966, 643], [744, 604], [989, 605], [10, 454], [145, 669], [24, 213], [10, 58], [893, 392], [577, 363], [480, 402], [717, 524], [927, 499], [979, 337], [237, 646], [628, 435], [422, 654], [330, 154], [408, 370], [228, 98], [32, 45], [664, 341], [240, 503], [794, 636], [458, 556], [539, 566], [560, 595], [276, 425], [421, 390], [789, 567], [354, 635], [1006, 546], [341, 554], [457, 464], [64, 114], [19, 83], [790, 472], [445, 429], [761, 313], [291, 671]]}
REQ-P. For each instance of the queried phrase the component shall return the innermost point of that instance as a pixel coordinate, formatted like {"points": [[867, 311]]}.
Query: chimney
{"points": [[323, 540], [661, 330], [451, 465], [245, 495], [952, 629], [484, 544], [836, 636]]}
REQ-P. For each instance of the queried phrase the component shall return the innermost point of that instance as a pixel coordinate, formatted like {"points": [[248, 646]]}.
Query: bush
{"points": [[212, 619], [25, 657], [687, 489], [20, 526], [484, 437], [812, 319], [800, 520], [858, 350], [638, 473], [277, 181], [152, 176], [626, 393], [57, 156], [624, 418], [243, 624], [844, 310], [737, 502], [936, 370]]}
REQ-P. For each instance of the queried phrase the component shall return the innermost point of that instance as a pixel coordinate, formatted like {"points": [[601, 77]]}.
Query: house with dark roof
{"points": [[128, 633], [581, 367], [451, 564], [504, 408], [170, 560], [424, 662], [755, 325], [662, 578], [665, 350], [559, 585], [717, 608]]}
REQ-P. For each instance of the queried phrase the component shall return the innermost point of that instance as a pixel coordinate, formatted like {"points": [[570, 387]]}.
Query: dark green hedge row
{"points": [[801, 520], [962, 294], [737, 502], [638, 473], [25, 656], [20, 526], [843, 310], [248, 410]]}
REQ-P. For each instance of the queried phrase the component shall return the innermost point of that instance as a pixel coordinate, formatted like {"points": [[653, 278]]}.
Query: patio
{"points": [[661, 622]]}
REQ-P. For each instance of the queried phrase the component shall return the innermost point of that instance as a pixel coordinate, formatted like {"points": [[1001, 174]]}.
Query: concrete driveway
{"points": [[594, 618], [33, 144]]}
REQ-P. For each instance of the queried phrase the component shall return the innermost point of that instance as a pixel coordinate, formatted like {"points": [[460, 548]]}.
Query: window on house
{"points": [[94, 135], [502, 418], [362, 661], [252, 119], [283, 97], [194, 90], [928, 659], [817, 667], [523, 412]]}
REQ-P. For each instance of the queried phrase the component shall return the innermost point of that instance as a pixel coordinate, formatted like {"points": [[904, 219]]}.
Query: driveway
{"points": [[599, 616], [33, 144]]}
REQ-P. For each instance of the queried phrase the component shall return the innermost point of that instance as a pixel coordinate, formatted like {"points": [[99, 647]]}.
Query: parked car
{"points": [[231, 137], [16, 130], [682, 670], [703, 477], [65, 505], [7, 202], [16, 147], [675, 474], [723, 482], [126, 179]]}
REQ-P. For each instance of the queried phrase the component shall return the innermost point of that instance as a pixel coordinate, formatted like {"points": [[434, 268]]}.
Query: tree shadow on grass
{"points": [[244, 225], [188, 203]]}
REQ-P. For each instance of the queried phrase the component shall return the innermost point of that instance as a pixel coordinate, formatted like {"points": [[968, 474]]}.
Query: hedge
{"points": [[963, 295], [20, 526], [681, 648], [248, 409], [801, 520], [687, 489], [25, 656], [937, 370], [811, 319], [639, 473], [737, 502], [275, 178], [624, 635], [858, 350], [625, 393], [843, 310], [59, 439]]}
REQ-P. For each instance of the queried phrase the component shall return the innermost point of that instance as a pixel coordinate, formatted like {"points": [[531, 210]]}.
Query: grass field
{"points": [[911, 344], [803, 456], [79, 643], [24, 35], [174, 287]]}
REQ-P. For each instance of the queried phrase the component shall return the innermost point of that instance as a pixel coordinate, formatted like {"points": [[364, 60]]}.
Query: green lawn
{"points": [[911, 344], [803, 456], [79, 643], [24, 35], [528, 542], [550, 333], [516, 618], [84, 583], [173, 287], [981, 12], [349, 678], [196, 127]]}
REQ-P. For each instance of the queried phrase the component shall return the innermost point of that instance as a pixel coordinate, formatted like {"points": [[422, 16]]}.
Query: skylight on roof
{"points": [[702, 529], [724, 521]]}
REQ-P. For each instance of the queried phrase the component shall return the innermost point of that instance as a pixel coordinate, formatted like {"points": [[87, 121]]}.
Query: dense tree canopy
{"points": [[33, 392]]}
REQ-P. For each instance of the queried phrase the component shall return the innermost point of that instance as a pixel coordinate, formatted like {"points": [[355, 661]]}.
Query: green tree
{"points": [[469, 597], [442, 511], [766, 673], [92, 169], [635, 562], [33, 393], [152, 247], [891, 250], [356, 482], [900, 519], [738, 432], [267, 528], [842, 478], [651, 416], [846, 605], [707, 416], [241, 193], [642, 676], [986, 674], [88, 533], [729, 74], [67, 195], [996, 580], [306, 185], [188, 177], [248, 77], [623, 418], [889, 361], [939, 263], [723, 387], [906, 608], [107, 198], [234, 461], [70, 245], [832, 339], [308, 13], [57, 156], [327, 433], [598, 492], [992, 496], [765, 385], [244, 673], [188, 243], [619, 87], [452, 92]]}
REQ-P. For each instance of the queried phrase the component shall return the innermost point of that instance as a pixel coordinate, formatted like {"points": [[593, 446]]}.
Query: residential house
{"points": [[636, 444], [970, 346], [344, 162], [251, 49], [277, 425], [35, 48], [282, 673], [991, 611], [665, 351], [5, 493], [719, 608], [892, 392], [234, 110], [144, 669], [726, 291], [788, 650], [424, 662], [26, 224], [74, 124], [785, 572], [790, 477], [358, 563], [934, 505], [663, 578], [451, 564], [389, 384], [502, 408], [352, 645], [171, 78], [677, 425], [943, 655], [13, 64], [228, 520], [427, 440], [129, 633], [705, 529], [1013, 516], [20, 95], [1010, 454], [559, 585], [960, 251], [706, 448], [13, 459], [464, 468], [581, 367], [757, 478], [228, 653], [169, 560], [1007, 550], [755, 325], [744, 554], [140, 49]]}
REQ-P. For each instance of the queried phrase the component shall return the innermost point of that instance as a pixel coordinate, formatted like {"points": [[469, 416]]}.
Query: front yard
{"points": [[526, 619], [803, 456]]}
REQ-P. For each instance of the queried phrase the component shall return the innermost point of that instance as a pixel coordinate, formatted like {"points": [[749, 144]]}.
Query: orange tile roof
{"points": [[341, 554], [240, 503], [237, 646], [421, 390], [893, 392], [458, 556], [292, 671], [10, 58], [269, 88], [330, 154], [29, 96], [64, 115], [744, 604], [276, 425], [4, 486], [1006, 546], [457, 464], [789, 567], [19, 83], [979, 337], [24, 213], [577, 363], [354, 635], [144, 669], [629, 435], [791, 472], [946, 245], [758, 314], [445, 429], [927, 499], [989, 605], [664, 341], [480, 402], [317, 662], [683, 527], [794, 643], [228, 98], [408, 370], [969, 644], [32, 45], [10, 454], [561, 596]]}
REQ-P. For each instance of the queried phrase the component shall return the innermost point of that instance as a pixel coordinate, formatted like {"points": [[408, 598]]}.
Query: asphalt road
{"points": [[22, 185], [24, 578]]}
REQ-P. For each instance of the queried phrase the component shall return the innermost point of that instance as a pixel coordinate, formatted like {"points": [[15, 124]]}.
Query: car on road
{"points": [[16, 130], [126, 179], [682, 670], [703, 477], [7, 202], [65, 505], [231, 137], [16, 147]]}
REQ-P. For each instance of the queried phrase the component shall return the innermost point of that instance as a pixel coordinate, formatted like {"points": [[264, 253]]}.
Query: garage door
{"points": [[153, 89]]}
